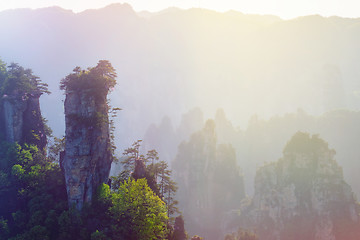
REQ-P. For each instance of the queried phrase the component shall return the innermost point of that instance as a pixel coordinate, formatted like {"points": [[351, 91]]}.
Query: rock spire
{"points": [[88, 151]]}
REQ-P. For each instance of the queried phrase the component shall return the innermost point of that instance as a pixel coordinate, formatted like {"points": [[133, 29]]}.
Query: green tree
{"points": [[157, 174], [37, 191], [138, 213], [21, 80], [22, 86], [131, 154], [167, 187], [98, 79]]}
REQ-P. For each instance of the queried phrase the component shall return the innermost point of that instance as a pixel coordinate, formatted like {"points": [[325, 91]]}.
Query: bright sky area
{"points": [[282, 8]]}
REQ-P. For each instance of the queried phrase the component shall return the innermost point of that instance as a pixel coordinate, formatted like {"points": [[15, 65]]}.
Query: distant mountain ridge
{"points": [[172, 61]]}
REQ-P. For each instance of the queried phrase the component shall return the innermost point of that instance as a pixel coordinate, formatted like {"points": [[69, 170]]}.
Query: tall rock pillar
{"points": [[87, 158], [88, 155]]}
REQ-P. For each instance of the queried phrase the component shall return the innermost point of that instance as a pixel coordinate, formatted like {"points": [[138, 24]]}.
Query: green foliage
{"points": [[36, 188], [157, 174], [134, 166], [35, 183], [132, 154], [133, 211], [99, 78], [20, 86], [167, 187], [18, 79], [137, 212], [103, 192], [18, 171]]}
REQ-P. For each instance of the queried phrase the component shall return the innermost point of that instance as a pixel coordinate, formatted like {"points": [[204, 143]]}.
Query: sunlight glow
{"points": [[282, 8]]}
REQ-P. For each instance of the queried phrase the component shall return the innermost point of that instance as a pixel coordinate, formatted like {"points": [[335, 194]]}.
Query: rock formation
{"points": [[302, 196], [88, 151], [210, 183], [13, 111], [20, 115]]}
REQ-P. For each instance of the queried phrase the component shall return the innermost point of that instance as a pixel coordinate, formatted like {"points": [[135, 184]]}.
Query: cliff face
{"points": [[302, 196], [210, 183], [13, 110], [88, 150], [22, 120], [88, 157]]}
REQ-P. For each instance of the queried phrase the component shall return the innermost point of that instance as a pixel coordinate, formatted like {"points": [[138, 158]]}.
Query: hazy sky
{"points": [[283, 8]]}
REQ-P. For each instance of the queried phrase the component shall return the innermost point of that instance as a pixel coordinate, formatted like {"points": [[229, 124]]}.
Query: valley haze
{"points": [[260, 77]]}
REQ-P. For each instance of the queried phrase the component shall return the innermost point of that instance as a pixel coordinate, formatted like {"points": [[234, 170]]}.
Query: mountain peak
{"points": [[114, 8]]}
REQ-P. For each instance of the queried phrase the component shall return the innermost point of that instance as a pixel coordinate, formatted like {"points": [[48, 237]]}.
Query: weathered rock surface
{"points": [[22, 119], [87, 159], [302, 196]]}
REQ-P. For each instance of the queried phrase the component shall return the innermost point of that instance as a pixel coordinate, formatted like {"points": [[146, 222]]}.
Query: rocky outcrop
{"points": [[88, 149], [22, 119], [13, 118], [88, 156], [302, 196], [210, 182]]}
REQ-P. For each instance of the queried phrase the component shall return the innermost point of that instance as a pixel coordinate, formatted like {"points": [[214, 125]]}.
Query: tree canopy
{"points": [[156, 172], [99, 78], [16, 79], [138, 213]]}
